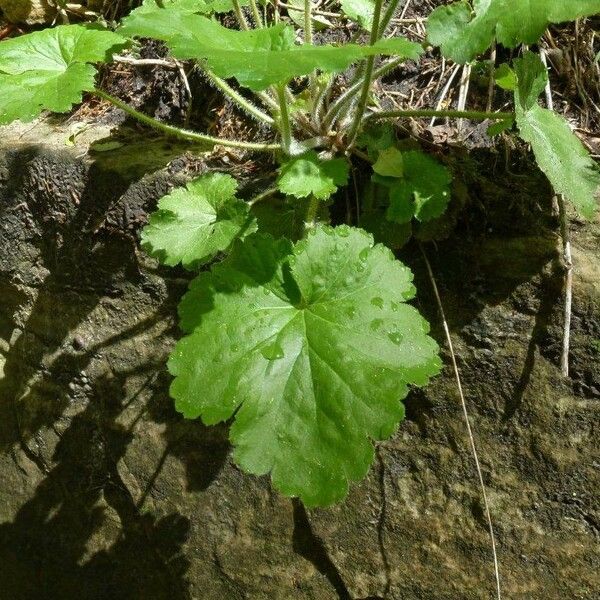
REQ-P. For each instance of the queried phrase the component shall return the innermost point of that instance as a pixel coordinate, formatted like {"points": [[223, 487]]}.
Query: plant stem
{"points": [[263, 196], [486, 505], [367, 77], [258, 22], [240, 16], [475, 115], [344, 98], [308, 29], [311, 213], [184, 134], [284, 117], [232, 94], [388, 15]]}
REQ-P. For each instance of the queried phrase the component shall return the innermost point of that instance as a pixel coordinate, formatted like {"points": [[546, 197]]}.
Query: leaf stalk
{"points": [[474, 115], [367, 77], [185, 134]]}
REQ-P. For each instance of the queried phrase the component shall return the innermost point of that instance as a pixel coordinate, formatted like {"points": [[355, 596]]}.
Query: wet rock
{"points": [[108, 493]]}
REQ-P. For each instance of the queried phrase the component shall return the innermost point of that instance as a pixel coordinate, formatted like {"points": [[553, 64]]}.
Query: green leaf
{"points": [[393, 235], [285, 216], [505, 77], [424, 191], [193, 224], [499, 127], [49, 70], [297, 16], [463, 33], [389, 163], [258, 58], [377, 137], [558, 152], [308, 175], [186, 7], [360, 11], [531, 78], [315, 347]]}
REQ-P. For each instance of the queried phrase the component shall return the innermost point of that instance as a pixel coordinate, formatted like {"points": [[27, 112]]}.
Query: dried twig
{"points": [[567, 259], [467, 422], [445, 91], [465, 81]]}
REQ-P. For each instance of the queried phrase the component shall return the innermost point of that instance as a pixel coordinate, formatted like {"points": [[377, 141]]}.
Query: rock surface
{"points": [[31, 12], [105, 492]]}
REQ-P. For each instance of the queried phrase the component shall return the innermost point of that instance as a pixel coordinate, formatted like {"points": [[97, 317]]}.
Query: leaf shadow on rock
{"points": [[502, 251], [50, 250], [58, 265], [47, 551], [203, 450]]}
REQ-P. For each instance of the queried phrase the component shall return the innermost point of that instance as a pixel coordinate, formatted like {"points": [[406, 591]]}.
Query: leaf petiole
{"points": [[185, 134], [475, 115]]}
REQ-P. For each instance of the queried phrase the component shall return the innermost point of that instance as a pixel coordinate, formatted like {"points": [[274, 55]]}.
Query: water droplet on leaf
{"points": [[272, 351], [395, 337], [376, 324]]}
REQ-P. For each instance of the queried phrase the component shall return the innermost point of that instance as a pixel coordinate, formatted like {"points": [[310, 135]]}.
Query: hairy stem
{"points": [[388, 15], [367, 77], [311, 213], [284, 117], [344, 98], [184, 134], [240, 16], [258, 22], [308, 28], [475, 115], [234, 95]]}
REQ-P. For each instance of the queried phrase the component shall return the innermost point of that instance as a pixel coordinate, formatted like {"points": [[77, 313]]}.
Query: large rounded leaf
{"points": [[49, 70], [312, 347]]}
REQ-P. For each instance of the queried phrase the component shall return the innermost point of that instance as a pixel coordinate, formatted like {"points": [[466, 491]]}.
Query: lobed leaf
{"points": [[258, 58], [558, 152], [389, 163], [360, 11], [315, 347], [186, 7], [308, 175], [463, 33], [193, 224], [49, 70], [423, 192]]}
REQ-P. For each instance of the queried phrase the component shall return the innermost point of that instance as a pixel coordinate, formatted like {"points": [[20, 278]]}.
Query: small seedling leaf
{"points": [[194, 223], [308, 175]]}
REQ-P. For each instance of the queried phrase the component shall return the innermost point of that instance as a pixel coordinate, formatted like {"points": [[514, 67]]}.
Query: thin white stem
{"points": [[445, 91], [491, 80], [567, 258], [467, 422], [463, 93]]}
